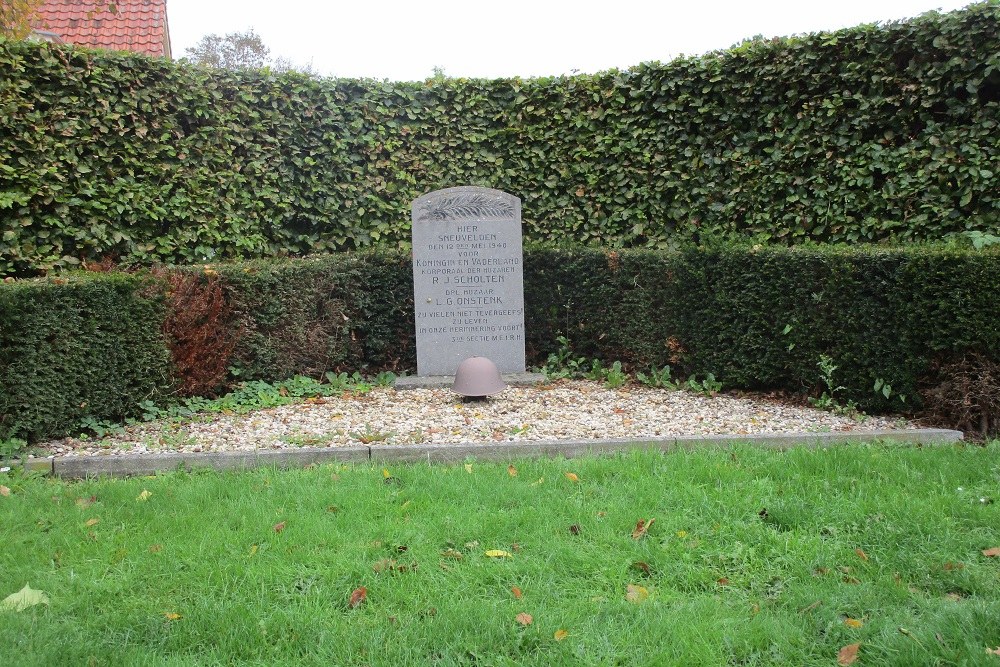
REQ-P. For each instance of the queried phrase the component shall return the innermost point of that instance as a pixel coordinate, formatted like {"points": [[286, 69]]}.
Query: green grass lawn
{"points": [[755, 557]]}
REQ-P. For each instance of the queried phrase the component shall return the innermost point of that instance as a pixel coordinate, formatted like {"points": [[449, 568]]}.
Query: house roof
{"points": [[136, 25]]}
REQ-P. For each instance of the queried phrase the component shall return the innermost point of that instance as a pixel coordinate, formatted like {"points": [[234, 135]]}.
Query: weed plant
{"points": [[565, 364], [755, 557]]}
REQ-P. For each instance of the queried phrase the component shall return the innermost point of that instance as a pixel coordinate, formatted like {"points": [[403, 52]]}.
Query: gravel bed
{"points": [[562, 410]]}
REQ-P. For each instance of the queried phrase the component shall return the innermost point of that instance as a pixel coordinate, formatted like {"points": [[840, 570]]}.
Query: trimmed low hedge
{"points": [[95, 345], [870, 133], [86, 346]]}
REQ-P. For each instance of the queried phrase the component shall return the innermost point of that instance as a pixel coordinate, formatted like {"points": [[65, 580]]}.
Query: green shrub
{"points": [[76, 348], [841, 320], [864, 134]]}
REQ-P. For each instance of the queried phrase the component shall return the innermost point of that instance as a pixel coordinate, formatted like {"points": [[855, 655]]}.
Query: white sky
{"points": [[405, 41]]}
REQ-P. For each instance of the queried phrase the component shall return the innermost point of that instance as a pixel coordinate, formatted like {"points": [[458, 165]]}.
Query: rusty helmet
{"points": [[478, 376]]}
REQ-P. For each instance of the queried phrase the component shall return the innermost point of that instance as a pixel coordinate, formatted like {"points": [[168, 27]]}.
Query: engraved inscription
{"points": [[467, 279]]}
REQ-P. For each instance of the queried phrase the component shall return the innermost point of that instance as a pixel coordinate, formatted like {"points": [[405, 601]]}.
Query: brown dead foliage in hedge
{"points": [[964, 393], [198, 332]]}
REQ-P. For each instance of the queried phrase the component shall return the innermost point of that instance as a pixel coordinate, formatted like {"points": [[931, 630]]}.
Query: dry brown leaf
{"points": [[861, 554], [384, 564], [4, 491], [571, 476], [848, 654], [636, 594], [357, 597], [722, 581], [992, 553], [575, 529], [512, 471], [993, 651], [642, 566], [524, 619], [155, 548], [954, 566], [641, 527], [853, 623], [517, 592], [561, 634], [84, 503], [92, 522], [278, 527]]}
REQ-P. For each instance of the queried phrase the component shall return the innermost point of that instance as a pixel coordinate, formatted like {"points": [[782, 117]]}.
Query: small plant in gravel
{"points": [[612, 376], [370, 435], [258, 394], [827, 401], [12, 448], [563, 363], [709, 386], [658, 377], [307, 439]]}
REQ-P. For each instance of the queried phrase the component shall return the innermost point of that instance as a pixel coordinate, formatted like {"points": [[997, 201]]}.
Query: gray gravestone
{"points": [[468, 286]]}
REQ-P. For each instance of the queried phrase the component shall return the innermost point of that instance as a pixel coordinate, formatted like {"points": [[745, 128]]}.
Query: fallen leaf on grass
{"points": [[641, 527], [4, 491], [722, 581], [278, 527], [144, 496], [155, 548], [517, 592], [953, 566], [524, 619], [84, 503], [861, 554], [498, 553], [468, 468], [993, 651], [561, 634], [452, 553], [384, 564], [992, 553], [571, 476], [171, 616], [642, 566], [575, 529], [512, 471], [636, 594], [92, 522], [853, 622], [357, 597], [24, 598], [848, 655]]}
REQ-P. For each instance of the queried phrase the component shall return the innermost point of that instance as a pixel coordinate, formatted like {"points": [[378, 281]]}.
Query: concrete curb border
{"points": [[76, 467]]}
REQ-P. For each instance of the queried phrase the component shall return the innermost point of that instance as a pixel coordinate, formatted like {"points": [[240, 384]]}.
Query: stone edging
{"points": [[75, 467]]}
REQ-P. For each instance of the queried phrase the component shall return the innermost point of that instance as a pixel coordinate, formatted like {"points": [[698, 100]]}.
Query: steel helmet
{"points": [[478, 376]]}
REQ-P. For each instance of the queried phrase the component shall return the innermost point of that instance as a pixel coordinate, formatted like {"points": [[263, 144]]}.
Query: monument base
{"points": [[445, 381]]}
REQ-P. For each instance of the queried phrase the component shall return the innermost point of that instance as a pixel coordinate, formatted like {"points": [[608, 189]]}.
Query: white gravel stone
{"points": [[561, 410]]}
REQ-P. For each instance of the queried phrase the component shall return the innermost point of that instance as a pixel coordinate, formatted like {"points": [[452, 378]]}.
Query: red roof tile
{"points": [[138, 25]]}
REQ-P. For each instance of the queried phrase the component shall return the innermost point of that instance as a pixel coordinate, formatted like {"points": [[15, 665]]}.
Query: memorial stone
{"points": [[468, 285]]}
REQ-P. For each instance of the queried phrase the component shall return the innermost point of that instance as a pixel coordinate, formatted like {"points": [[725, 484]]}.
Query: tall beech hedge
{"points": [[864, 134], [95, 345]]}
